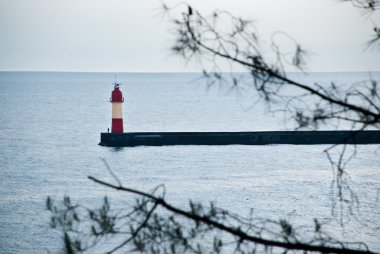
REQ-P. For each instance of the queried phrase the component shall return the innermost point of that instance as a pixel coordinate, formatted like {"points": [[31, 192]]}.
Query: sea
{"points": [[50, 125]]}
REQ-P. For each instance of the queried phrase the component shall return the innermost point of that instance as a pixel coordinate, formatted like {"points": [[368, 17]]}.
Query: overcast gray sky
{"points": [[129, 36]]}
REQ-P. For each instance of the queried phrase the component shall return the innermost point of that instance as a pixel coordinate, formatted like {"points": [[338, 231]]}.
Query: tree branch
{"points": [[271, 73], [236, 232]]}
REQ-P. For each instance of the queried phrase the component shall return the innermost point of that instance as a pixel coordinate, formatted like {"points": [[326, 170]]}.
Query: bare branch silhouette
{"points": [[221, 39], [179, 230]]}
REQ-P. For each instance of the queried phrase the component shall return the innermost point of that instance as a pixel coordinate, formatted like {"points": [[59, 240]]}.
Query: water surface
{"points": [[50, 127]]}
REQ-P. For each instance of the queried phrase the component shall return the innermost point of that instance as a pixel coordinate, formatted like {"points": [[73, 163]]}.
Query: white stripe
{"points": [[116, 110]]}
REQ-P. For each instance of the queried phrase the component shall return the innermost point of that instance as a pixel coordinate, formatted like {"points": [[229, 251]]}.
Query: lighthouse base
{"points": [[239, 138]]}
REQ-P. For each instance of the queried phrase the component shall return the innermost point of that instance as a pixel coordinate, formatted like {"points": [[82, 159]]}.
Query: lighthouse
{"points": [[117, 116]]}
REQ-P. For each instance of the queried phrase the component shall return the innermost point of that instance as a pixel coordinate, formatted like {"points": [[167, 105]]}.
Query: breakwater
{"points": [[239, 138]]}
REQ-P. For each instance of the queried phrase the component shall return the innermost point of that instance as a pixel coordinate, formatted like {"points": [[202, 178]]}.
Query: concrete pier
{"points": [[239, 138]]}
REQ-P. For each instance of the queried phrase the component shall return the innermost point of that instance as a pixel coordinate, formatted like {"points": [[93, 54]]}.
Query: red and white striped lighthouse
{"points": [[117, 116]]}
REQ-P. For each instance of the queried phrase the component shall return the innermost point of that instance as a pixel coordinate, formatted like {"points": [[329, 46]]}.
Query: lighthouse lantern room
{"points": [[117, 116]]}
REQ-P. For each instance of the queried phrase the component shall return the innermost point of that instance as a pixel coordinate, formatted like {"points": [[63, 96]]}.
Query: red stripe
{"points": [[117, 125], [116, 96]]}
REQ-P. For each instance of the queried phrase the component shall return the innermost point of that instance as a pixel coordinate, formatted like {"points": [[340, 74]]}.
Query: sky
{"points": [[132, 36]]}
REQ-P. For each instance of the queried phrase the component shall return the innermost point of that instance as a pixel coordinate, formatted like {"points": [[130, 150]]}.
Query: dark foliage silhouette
{"points": [[152, 225]]}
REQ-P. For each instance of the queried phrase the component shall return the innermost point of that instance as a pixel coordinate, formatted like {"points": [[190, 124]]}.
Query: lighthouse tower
{"points": [[117, 117]]}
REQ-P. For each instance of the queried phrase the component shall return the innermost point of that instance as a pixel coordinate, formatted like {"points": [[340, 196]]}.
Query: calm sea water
{"points": [[50, 126]]}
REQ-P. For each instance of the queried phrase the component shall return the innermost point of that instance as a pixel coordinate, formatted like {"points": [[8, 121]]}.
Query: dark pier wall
{"points": [[239, 138]]}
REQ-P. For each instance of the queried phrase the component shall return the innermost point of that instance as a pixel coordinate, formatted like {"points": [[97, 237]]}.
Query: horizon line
{"points": [[163, 72]]}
